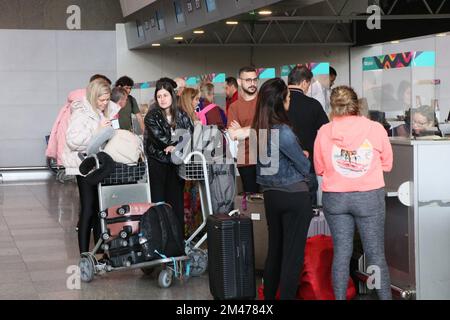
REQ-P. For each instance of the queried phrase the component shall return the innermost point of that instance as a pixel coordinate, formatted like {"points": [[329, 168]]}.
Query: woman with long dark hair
{"points": [[286, 194], [161, 124]]}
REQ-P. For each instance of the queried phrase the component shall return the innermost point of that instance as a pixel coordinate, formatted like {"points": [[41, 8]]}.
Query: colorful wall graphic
{"points": [[211, 77], [317, 68], [266, 73], [400, 60], [145, 85]]}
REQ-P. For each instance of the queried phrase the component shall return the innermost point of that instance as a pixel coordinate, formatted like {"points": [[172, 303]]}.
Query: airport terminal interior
{"points": [[394, 54]]}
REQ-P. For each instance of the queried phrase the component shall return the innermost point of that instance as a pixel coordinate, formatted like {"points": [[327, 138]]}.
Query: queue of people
{"points": [[351, 153]]}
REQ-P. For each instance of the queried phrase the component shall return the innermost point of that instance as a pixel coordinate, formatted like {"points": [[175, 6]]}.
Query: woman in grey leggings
{"points": [[351, 153]]}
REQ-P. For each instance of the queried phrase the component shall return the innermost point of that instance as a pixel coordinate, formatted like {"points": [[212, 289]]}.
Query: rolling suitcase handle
{"points": [[233, 213]]}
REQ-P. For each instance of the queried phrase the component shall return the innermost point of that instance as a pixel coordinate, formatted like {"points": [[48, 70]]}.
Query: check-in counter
{"points": [[417, 233]]}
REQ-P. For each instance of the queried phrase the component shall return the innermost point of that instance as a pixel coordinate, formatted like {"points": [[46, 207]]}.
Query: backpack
{"points": [[202, 113], [222, 176], [160, 233], [222, 186]]}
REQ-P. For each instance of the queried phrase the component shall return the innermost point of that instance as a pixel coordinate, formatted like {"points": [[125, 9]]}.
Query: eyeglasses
{"points": [[250, 80]]}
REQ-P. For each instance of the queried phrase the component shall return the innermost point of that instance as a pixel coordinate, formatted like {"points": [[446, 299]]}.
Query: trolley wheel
{"points": [[148, 271], [199, 262], [61, 176], [122, 210], [87, 269], [123, 234], [105, 236], [103, 214], [51, 164], [165, 278]]}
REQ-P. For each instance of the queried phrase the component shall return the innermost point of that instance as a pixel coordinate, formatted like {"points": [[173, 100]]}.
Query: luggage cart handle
{"points": [[235, 212], [192, 154]]}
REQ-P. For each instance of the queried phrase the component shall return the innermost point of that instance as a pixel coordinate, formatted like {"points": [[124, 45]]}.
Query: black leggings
{"points": [[89, 209], [288, 218], [167, 186], [248, 177]]}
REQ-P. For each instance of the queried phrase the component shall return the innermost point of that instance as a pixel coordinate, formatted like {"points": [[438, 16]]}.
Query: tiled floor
{"points": [[38, 243]]}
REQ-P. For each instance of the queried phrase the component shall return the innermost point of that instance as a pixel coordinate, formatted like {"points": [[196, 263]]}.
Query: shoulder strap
{"points": [[202, 113]]}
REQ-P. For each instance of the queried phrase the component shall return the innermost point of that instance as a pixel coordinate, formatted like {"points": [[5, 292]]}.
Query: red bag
{"points": [[315, 282]]}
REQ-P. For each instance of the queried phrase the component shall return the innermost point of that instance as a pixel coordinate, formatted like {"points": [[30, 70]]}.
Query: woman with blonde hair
{"points": [[189, 100], [351, 153], [88, 117]]}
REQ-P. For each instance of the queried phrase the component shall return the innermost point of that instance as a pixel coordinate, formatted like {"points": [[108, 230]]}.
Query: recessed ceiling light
{"points": [[178, 38], [156, 45], [441, 34], [395, 41], [265, 12], [199, 31], [232, 23]]}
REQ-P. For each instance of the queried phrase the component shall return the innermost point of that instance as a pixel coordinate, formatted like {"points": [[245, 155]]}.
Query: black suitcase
{"points": [[125, 252], [231, 260]]}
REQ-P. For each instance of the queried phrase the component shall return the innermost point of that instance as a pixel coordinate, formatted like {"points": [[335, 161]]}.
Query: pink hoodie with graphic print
{"points": [[351, 154]]}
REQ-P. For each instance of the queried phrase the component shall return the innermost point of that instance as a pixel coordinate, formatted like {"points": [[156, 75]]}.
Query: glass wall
{"points": [[401, 92]]}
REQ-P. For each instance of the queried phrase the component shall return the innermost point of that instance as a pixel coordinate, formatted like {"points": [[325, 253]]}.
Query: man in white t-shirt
{"points": [[321, 94]]}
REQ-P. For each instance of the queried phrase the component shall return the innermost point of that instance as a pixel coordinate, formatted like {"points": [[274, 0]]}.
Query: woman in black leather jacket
{"points": [[160, 140]]}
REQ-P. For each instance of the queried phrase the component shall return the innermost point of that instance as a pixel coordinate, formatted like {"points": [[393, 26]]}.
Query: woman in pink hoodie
{"points": [[351, 153]]}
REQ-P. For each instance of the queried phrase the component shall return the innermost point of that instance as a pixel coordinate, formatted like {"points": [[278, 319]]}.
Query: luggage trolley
{"points": [[195, 168], [57, 170], [131, 184]]}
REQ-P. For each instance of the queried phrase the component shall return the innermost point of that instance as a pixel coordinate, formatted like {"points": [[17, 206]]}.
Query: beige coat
{"points": [[83, 125]]}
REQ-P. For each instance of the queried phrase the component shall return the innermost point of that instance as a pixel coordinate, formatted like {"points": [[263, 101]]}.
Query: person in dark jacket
{"points": [[286, 197], [162, 125], [307, 116]]}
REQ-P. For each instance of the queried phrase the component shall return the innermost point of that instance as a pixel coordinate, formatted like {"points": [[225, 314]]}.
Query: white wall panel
{"points": [[27, 50], [86, 50], [39, 68]]}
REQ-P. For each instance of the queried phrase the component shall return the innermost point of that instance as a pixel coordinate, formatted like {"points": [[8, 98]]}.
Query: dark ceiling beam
{"points": [[427, 6], [299, 30], [392, 7], [355, 17], [249, 33], [440, 7], [300, 44]]}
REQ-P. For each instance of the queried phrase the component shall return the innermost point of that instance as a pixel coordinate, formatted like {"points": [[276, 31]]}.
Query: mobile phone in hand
{"points": [[115, 124]]}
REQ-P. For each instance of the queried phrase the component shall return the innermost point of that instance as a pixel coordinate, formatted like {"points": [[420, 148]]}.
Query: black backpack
{"points": [[160, 233]]}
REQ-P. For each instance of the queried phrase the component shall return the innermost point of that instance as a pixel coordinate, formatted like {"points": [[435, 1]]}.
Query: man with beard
{"points": [[240, 115]]}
